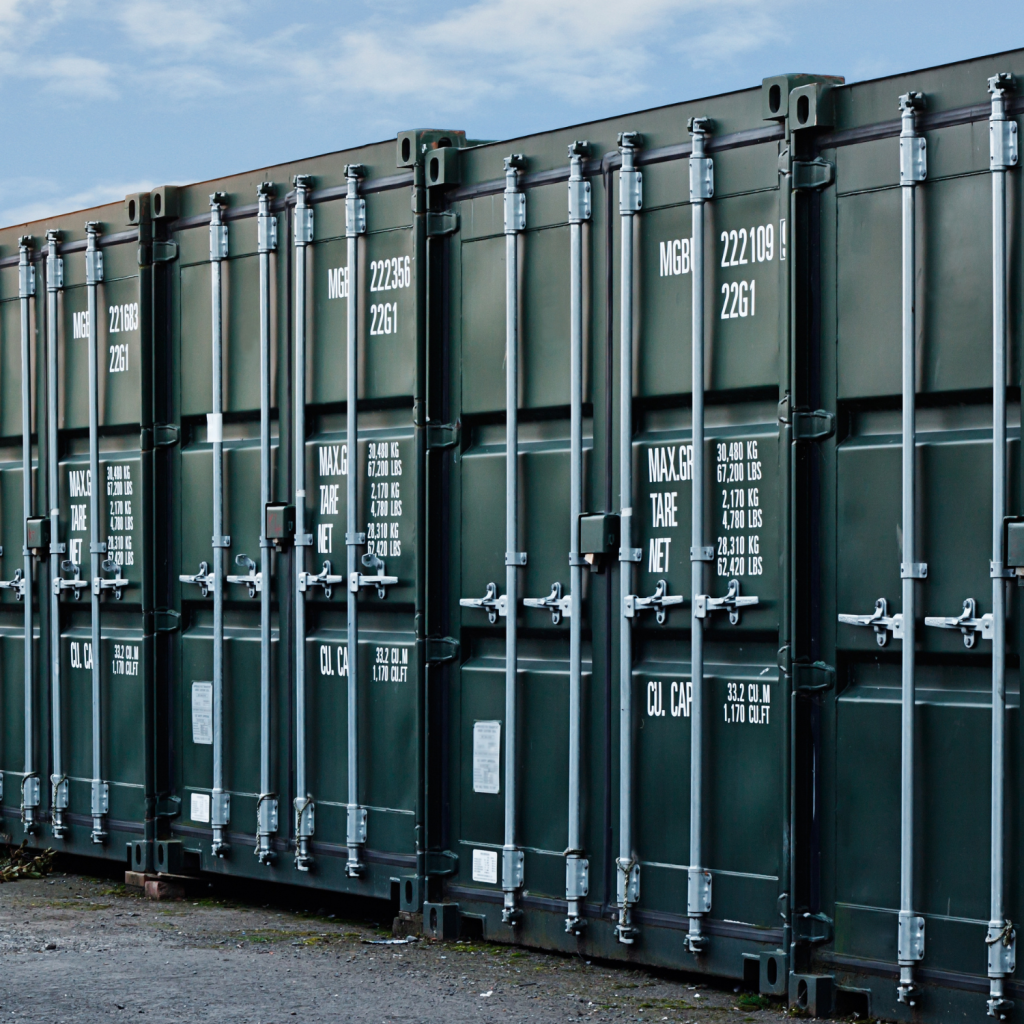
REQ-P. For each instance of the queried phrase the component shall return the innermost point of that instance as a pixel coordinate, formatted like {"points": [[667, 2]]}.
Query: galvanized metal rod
{"points": [[58, 782], [303, 800], [26, 289], [512, 857], [627, 867], [215, 433], [93, 276], [909, 949], [579, 211], [266, 814], [356, 815], [1000, 938], [698, 901]]}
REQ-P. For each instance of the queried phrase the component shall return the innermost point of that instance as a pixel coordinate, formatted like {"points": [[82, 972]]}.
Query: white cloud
{"points": [[56, 204]]}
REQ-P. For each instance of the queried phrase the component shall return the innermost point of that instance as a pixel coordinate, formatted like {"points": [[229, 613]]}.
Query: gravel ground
{"points": [[77, 948]]}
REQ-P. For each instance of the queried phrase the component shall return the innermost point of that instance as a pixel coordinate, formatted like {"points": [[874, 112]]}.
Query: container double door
{"points": [[745, 701], [307, 728]]}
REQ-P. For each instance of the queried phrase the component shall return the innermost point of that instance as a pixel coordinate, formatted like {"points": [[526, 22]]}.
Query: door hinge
{"points": [[165, 435], [813, 425], [441, 863], [441, 649], [166, 620], [168, 807], [443, 222], [813, 678], [165, 252], [814, 929], [443, 435], [812, 174]]}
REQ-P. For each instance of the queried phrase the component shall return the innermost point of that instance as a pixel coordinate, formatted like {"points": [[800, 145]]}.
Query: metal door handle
{"points": [[253, 579], [659, 601], [732, 602], [557, 604], [880, 621], [116, 584], [967, 622], [324, 579], [204, 579], [490, 603]]}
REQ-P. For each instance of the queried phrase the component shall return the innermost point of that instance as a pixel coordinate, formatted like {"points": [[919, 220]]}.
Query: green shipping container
{"points": [[719, 672]]}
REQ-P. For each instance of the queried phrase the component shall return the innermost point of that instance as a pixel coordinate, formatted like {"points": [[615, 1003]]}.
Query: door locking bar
{"points": [[559, 606], [658, 602], [880, 621], [490, 603], [17, 584], [321, 579], [967, 622], [76, 586], [703, 604], [379, 580], [204, 579], [253, 579], [117, 584]]}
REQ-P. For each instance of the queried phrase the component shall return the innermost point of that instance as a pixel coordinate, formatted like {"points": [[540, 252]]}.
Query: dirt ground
{"points": [[76, 948]]}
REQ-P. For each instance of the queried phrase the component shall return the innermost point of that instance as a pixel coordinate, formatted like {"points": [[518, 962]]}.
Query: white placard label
{"points": [[486, 757], [485, 865], [214, 427], [200, 807], [202, 713]]}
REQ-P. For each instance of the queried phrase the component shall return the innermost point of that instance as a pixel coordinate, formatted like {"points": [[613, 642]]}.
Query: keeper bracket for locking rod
{"points": [[117, 584], [490, 603], [253, 579], [324, 579], [913, 148], [560, 607], [967, 622], [659, 602], [879, 620], [76, 585], [204, 579], [703, 604], [379, 579]]}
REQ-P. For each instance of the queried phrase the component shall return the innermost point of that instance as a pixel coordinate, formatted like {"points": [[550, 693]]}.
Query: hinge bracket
{"points": [[813, 174], [443, 435], [813, 425], [165, 252], [440, 649], [441, 863], [442, 222], [813, 678]]}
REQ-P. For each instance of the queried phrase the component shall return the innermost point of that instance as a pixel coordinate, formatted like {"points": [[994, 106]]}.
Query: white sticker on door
{"points": [[486, 754], [200, 807], [202, 713], [485, 866]]}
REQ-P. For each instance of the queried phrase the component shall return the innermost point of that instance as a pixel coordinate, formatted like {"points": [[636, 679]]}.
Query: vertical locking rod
{"points": [[303, 800], [26, 289], [93, 278], [698, 898], [355, 225], [266, 813], [220, 811], [1001, 939], [58, 780], [515, 223], [576, 868], [627, 866], [910, 928]]}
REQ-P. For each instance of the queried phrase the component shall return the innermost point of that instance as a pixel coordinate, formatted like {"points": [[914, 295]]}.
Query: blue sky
{"points": [[105, 98]]}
